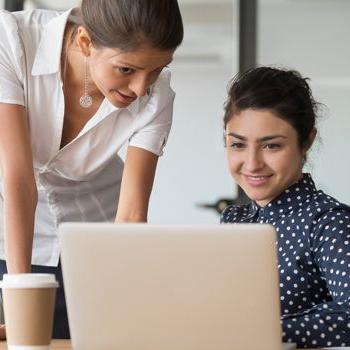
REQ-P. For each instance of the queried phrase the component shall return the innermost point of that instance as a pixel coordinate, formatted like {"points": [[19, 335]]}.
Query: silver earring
{"points": [[85, 100]]}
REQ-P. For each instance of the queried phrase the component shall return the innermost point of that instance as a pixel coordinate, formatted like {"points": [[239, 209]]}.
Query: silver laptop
{"points": [[147, 287]]}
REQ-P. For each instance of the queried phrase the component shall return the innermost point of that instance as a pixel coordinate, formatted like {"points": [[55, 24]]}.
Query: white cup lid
{"points": [[29, 280]]}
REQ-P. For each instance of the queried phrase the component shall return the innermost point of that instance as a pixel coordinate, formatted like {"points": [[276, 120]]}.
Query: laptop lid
{"points": [[147, 287]]}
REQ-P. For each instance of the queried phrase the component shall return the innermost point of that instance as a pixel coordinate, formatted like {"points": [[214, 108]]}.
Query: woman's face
{"points": [[123, 76], [263, 154]]}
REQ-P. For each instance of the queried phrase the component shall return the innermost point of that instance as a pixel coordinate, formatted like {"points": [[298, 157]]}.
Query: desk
{"points": [[59, 344]]}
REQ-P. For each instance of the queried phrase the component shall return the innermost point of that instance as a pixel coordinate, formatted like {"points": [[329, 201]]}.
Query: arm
{"points": [[139, 171], [145, 146], [19, 188], [328, 323]]}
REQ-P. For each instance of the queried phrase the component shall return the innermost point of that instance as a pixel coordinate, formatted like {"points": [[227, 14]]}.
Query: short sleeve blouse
{"points": [[81, 181]]}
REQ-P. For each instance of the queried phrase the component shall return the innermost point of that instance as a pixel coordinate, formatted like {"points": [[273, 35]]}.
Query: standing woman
{"points": [[270, 126], [74, 88]]}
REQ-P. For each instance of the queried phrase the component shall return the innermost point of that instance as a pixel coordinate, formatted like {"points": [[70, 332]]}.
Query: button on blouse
{"points": [[313, 242]]}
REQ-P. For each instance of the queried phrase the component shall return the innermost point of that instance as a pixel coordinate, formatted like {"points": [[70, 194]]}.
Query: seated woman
{"points": [[269, 127]]}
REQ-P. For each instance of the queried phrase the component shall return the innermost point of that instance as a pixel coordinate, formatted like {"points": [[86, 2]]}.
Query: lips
{"points": [[124, 98], [257, 180]]}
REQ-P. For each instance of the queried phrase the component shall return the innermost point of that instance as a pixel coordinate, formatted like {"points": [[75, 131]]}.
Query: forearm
{"points": [[133, 205], [136, 187], [20, 199]]}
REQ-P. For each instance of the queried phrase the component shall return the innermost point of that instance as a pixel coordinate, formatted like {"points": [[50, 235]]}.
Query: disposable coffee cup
{"points": [[29, 301]]}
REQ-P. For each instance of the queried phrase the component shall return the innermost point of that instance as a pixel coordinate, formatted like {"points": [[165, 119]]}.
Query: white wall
{"points": [[193, 168], [312, 37]]}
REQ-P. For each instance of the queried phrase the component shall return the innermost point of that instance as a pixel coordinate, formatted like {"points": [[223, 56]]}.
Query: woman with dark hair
{"points": [[269, 127], [74, 88]]}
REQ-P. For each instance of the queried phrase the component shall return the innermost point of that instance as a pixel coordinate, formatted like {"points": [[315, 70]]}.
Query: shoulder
{"points": [[160, 94], [322, 204], [21, 31], [164, 79], [9, 30], [329, 216], [156, 107], [8, 21], [234, 213], [24, 20], [161, 90], [313, 203]]}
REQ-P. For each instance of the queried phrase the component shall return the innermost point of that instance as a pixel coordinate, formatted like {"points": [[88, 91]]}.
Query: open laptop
{"points": [[148, 287]]}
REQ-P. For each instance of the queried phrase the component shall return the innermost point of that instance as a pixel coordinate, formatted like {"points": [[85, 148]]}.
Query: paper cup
{"points": [[29, 301]]}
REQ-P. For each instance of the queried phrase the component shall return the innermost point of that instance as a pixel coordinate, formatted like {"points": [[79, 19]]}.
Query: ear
{"points": [[83, 41], [310, 141]]}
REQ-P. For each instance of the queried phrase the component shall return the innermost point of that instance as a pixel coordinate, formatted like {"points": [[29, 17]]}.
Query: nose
{"points": [[139, 86], [254, 160]]}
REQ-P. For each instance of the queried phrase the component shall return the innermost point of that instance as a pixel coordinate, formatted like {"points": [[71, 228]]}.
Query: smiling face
{"points": [[123, 76], [263, 154]]}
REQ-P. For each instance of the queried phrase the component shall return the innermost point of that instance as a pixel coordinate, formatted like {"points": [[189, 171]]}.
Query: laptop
{"points": [[158, 287]]}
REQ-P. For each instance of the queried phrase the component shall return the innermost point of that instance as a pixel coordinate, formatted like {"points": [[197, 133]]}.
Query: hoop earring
{"points": [[85, 100]]}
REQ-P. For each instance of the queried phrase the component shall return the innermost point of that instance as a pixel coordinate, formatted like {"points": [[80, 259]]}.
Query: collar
{"points": [[48, 54], [292, 198], [253, 210]]}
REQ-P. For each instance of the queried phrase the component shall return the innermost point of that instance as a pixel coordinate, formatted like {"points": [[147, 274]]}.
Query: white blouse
{"points": [[81, 181]]}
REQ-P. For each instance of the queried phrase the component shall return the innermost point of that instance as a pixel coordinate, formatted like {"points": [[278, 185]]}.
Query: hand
{"points": [[2, 332]]}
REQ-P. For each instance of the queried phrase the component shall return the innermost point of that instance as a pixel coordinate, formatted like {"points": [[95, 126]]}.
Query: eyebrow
{"points": [[141, 68], [261, 139]]}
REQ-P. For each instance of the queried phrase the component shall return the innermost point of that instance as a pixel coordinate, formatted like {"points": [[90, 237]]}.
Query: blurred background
{"points": [[223, 37]]}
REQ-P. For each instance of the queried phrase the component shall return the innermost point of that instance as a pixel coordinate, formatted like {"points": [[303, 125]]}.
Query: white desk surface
{"points": [[60, 344]]}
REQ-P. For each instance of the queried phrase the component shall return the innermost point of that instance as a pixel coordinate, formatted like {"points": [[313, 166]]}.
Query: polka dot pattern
{"points": [[313, 242]]}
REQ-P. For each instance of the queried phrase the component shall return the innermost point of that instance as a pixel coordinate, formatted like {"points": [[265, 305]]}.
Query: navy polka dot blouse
{"points": [[313, 235]]}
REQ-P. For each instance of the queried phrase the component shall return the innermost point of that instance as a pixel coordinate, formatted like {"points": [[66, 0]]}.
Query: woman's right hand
{"points": [[2, 332]]}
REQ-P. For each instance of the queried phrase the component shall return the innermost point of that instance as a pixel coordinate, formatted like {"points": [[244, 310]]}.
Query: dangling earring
{"points": [[85, 100]]}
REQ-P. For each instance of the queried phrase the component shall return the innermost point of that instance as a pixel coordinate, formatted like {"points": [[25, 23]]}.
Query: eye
{"points": [[125, 70], [237, 145], [272, 146]]}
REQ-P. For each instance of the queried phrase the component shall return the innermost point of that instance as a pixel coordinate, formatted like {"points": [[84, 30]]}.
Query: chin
{"points": [[118, 104], [121, 105], [258, 197]]}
